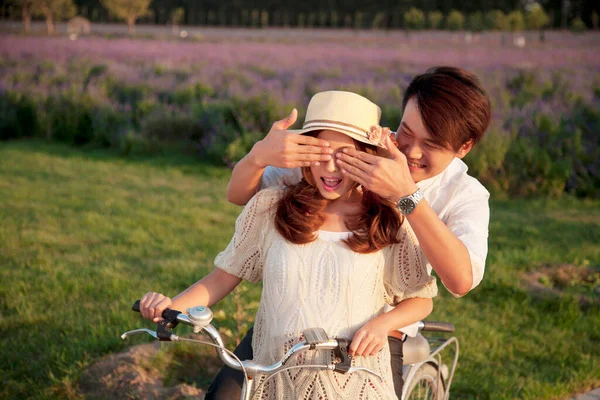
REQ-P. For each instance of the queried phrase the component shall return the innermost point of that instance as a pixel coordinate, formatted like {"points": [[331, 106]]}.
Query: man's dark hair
{"points": [[454, 106]]}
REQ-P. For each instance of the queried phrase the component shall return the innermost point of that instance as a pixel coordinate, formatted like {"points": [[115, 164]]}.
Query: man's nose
{"points": [[412, 150]]}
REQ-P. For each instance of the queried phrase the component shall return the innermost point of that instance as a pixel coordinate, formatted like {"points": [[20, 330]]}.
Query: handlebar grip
{"points": [[136, 306], [168, 314], [438, 326]]}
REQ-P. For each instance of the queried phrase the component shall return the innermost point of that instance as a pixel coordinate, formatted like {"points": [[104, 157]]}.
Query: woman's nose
{"points": [[330, 166]]}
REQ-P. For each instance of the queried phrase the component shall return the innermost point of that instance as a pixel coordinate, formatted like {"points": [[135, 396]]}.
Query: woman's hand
{"points": [[369, 339], [388, 177], [153, 304], [283, 149]]}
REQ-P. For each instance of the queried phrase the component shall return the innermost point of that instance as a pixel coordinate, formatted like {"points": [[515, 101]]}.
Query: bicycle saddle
{"points": [[415, 350]]}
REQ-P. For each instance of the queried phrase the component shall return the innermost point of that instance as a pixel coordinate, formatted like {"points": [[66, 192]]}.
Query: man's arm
{"points": [[446, 253], [245, 179], [280, 149], [390, 178]]}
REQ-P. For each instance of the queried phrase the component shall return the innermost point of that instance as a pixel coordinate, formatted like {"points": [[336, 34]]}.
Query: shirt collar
{"points": [[456, 168]]}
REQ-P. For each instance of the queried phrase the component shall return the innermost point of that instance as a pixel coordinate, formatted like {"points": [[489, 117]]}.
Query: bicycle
{"points": [[200, 319]]}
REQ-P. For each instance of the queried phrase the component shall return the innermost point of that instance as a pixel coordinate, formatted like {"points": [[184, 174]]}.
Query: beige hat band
{"points": [[323, 123]]}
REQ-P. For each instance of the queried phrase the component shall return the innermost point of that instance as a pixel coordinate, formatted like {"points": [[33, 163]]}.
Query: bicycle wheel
{"points": [[424, 385]]}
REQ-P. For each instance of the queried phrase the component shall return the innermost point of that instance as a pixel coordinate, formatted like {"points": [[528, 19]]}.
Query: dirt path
{"points": [[125, 376]]}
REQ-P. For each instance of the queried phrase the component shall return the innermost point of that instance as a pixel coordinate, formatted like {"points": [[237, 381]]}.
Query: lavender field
{"points": [[221, 92]]}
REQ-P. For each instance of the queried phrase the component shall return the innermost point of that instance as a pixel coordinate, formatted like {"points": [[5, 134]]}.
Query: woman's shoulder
{"points": [[266, 199], [270, 194]]}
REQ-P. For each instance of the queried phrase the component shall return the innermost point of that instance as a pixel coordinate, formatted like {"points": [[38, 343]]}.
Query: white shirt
{"points": [[460, 201]]}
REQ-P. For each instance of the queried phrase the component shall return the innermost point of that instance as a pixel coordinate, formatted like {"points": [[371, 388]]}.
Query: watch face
{"points": [[406, 206]]}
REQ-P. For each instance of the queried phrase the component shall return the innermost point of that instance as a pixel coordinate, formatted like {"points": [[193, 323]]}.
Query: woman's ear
{"points": [[465, 148]]}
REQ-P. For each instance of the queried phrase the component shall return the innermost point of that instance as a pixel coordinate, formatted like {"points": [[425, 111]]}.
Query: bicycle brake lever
{"points": [[356, 369], [139, 332], [156, 335]]}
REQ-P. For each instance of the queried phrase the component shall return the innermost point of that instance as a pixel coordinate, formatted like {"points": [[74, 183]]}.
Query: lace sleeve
{"points": [[243, 255], [406, 273]]}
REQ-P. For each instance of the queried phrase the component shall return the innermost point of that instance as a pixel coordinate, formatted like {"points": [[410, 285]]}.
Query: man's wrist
{"points": [[407, 204], [402, 192], [254, 156]]}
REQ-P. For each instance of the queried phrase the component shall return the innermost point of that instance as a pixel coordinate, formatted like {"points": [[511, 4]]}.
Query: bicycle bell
{"points": [[200, 316]]}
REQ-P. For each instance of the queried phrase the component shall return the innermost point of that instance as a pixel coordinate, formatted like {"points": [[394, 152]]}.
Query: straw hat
{"points": [[347, 113]]}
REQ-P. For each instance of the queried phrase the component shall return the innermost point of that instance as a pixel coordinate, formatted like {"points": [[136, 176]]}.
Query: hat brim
{"points": [[346, 132]]}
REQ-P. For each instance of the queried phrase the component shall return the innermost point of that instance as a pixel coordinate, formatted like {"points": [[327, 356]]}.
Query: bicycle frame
{"points": [[434, 358]]}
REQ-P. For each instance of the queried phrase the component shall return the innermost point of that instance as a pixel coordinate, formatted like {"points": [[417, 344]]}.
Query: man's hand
{"points": [[388, 177], [283, 149]]}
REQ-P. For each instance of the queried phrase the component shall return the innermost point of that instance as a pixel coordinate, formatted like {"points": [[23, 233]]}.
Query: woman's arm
{"points": [[280, 149], [372, 337], [206, 292]]}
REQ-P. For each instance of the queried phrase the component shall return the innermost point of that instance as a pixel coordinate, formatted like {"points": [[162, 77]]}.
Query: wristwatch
{"points": [[407, 204]]}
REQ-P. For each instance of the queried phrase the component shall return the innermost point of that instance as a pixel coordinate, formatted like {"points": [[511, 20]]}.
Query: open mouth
{"points": [[331, 184]]}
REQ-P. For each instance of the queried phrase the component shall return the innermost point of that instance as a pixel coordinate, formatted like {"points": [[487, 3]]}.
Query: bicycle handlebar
{"points": [[200, 318]]}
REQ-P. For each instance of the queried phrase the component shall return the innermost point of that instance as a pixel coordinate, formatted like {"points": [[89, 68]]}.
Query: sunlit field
{"points": [[115, 155]]}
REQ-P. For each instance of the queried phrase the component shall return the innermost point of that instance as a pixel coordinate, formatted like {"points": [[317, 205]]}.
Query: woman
{"points": [[331, 255]]}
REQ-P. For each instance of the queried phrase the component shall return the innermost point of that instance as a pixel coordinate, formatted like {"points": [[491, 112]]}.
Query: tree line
{"points": [[513, 15]]}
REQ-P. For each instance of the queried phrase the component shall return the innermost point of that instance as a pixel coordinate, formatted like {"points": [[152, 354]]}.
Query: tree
{"points": [[595, 20], [26, 11], [455, 20], [475, 21], [577, 25], [515, 20], [435, 19], [53, 10], [176, 18], [496, 20], [537, 19], [129, 10], [414, 19]]}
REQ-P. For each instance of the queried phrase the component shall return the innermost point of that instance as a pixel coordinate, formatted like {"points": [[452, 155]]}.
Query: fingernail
{"points": [[345, 151], [316, 163]]}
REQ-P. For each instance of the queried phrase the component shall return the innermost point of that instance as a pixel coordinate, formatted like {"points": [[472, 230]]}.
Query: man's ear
{"points": [[465, 148]]}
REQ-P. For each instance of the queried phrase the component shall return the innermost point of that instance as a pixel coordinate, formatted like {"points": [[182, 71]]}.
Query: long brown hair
{"points": [[300, 215]]}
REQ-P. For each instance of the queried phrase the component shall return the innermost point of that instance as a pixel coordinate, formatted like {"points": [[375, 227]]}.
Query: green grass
{"points": [[84, 233]]}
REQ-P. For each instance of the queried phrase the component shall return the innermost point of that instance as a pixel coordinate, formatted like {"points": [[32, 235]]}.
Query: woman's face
{"points": [[328, 177], [425, 157]]}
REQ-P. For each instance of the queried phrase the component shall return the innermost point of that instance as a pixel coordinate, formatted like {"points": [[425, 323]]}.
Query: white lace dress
{"points": [[320, 284]]}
